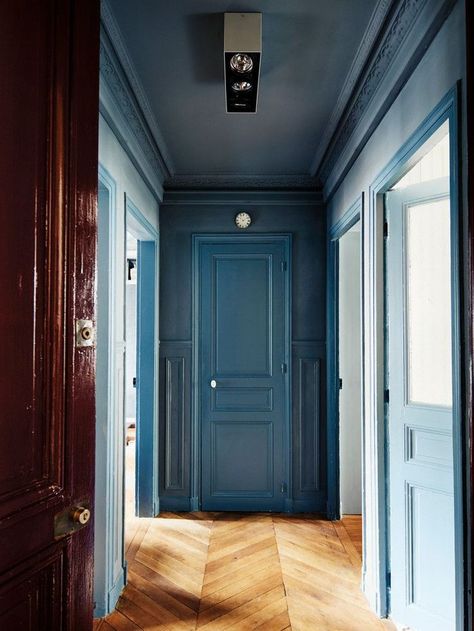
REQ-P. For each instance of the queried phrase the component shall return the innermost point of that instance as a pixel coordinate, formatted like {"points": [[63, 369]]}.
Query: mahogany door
{"points": [[48, 180]]}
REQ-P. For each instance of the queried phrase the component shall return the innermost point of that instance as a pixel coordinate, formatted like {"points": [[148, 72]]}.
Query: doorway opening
{"points": [[131, 417], [350, 378], [127, 334]]}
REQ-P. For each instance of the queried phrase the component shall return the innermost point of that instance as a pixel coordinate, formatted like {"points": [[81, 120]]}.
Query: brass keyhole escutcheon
{"points": [[86, 333], [80, 515]]}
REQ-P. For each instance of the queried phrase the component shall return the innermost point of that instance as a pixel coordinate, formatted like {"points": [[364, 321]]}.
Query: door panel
{"points": [[420, 413], [48, 191], [244, 351]]}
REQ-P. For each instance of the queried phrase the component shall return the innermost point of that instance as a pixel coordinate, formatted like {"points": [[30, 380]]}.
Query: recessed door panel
{"points": [[242, 459], [243, 354], [242, 309]]}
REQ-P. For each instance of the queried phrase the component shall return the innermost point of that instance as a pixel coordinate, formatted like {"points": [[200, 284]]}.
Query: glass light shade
{"points": [[241, 86], [241, 63]]}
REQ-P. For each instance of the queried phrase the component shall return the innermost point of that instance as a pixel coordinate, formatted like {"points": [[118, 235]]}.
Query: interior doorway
{"points": [[131, 418], [350, 377]]}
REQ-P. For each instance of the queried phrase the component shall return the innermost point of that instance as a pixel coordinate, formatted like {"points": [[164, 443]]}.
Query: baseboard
{"points": [[178, 504], [102, 609], [308, 506]]}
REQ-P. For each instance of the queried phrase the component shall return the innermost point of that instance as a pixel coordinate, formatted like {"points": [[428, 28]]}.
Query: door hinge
{"points": [[386, 395], [284, 487], [385, 229], [284, 266], [283, 368], [389, 580], [340, 383]]}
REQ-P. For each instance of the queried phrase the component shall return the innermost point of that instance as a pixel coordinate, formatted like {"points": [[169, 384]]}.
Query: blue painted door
{"points": [[420, 418], [243, 374], [146, 323]]}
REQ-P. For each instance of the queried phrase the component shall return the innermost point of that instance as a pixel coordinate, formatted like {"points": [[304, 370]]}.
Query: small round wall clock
{"points": [[242, 220]]}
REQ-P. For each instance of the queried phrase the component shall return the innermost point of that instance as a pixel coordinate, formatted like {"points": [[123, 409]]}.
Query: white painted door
{"points": [[419, 367]]}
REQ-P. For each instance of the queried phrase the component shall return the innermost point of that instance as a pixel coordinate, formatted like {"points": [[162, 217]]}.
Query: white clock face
{"points": [[243, 220]]}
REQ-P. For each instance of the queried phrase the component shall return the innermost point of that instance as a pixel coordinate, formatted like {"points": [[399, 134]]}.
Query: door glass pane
{"points": [[428, 269]]}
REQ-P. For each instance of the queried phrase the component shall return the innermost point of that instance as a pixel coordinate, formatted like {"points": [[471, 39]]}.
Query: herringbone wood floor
{"points": [[216, 571]]}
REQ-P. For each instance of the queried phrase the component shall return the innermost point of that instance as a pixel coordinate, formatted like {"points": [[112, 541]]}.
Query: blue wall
{"points": [[302, 215]]}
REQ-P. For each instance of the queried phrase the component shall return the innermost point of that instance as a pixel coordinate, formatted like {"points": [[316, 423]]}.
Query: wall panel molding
{"points": [[175, 408], [309, 427]]}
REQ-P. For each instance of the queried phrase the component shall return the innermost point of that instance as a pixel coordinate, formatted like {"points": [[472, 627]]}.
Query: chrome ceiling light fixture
{"points": [[242, 53]]}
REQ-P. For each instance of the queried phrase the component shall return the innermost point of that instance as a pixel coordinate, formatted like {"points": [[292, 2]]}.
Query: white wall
{"points": [[442, 66], [109, 557], [350, 421]]}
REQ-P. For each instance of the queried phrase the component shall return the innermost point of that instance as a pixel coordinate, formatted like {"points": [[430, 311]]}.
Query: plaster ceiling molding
{"points": [[113, 31], [120, 110], [242, 182], [402, 22], [410, 30], [369, 39], [243, 199]]}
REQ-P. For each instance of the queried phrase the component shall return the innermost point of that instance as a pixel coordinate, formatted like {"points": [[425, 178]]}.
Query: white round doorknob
{"points": [[213, 383]]}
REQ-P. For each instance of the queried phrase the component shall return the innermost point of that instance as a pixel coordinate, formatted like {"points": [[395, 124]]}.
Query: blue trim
{"points": [[263, 197], [399, 165], [335, 232], [133, 210], [147, 499], [199, 239], [110, 579]]}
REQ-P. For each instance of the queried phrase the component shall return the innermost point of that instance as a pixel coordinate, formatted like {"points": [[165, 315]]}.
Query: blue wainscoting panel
{"points": [[309, 427], [175, 408]]}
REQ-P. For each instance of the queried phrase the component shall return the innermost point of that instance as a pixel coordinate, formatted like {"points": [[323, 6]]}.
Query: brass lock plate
{"points": [[71, 519], [85, 333]]}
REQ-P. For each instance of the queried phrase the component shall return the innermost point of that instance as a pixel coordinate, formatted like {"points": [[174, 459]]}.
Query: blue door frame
{"points": [[408, 155], [347, 221], [196, 464], [146, 469]]}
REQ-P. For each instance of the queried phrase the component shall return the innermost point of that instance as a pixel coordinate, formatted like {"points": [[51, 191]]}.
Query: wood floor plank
{"points": [[240, 572], [348, 544]]}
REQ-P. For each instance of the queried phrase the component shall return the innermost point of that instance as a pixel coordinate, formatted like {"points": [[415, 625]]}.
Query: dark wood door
{"points": [[48, 181]]}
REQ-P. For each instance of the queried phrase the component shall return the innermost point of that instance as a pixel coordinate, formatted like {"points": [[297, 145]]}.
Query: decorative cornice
{"points": [[243, 198], [369, 39], [301, 182], [113, 75], [401, 21], [115, 36]]}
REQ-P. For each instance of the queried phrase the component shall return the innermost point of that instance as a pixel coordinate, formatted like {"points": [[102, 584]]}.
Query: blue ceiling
{"points": [[176, 49]]}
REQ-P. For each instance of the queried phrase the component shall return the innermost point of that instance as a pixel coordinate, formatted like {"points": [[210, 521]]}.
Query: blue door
{"points": [[243, 361], [146, 322], [420, 408]]}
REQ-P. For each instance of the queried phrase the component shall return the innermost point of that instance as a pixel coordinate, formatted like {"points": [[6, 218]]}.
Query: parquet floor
{"points": [[225, 571], [219, 571]]}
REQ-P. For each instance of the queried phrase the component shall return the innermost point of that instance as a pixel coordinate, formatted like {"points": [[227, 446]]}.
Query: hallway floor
{"points": [[233, 571]]}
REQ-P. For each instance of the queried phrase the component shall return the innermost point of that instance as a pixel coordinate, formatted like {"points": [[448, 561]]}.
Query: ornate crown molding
{"points": [[242, 182], [369, 39], [243, 198], [400, 23], [115, 37]]}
